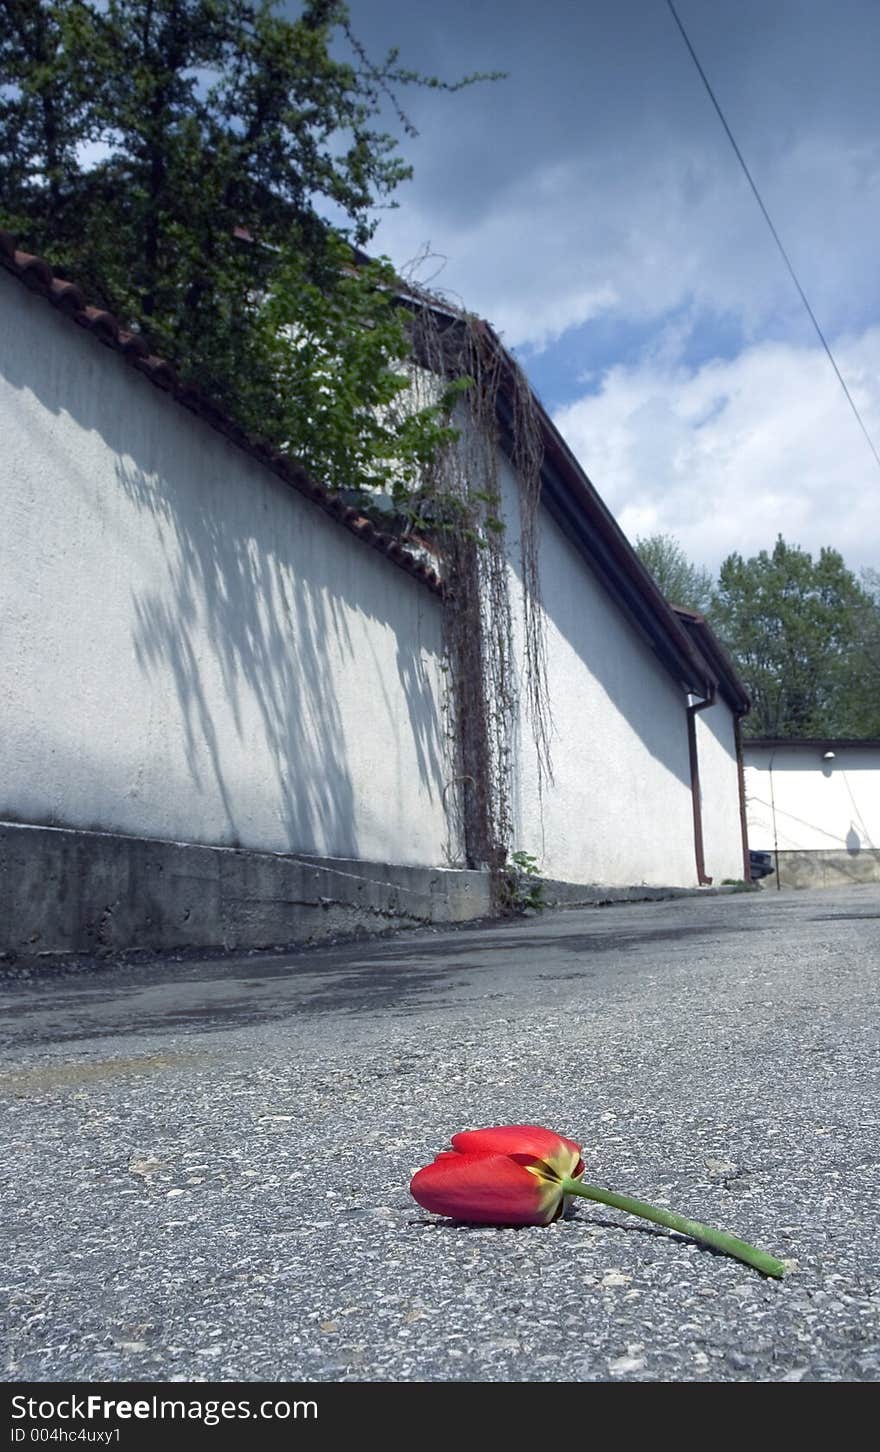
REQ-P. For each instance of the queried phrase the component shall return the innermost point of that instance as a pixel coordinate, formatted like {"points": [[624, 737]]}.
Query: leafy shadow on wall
{"points": [[236, 614], [272, 630]]}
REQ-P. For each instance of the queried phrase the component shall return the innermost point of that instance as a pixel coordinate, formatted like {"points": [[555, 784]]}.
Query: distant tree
{"points": [[682, 582], [800, 631], [863, 696]]}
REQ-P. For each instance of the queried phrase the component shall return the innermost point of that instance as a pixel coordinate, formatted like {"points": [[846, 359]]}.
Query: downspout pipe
{"points": [[743, 820], [693, 754], [773, 814]]}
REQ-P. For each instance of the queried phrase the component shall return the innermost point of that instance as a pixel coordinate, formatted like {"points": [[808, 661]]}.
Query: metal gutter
{"points": [[707, 642], [813, 742]]}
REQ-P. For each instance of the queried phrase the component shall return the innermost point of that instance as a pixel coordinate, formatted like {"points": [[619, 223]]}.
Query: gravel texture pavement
{"points": [[207, 1163]]}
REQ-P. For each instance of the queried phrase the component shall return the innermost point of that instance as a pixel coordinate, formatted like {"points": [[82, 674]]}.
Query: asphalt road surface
{"points": [[206, 1164]]}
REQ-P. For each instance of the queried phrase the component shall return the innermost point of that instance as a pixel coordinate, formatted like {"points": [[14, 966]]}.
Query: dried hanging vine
{"points": [[460, 502], [528, 457]]}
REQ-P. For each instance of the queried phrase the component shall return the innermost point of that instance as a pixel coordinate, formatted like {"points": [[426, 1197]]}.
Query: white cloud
{"points": [[595, 190], [642, 231], [729, 455]]}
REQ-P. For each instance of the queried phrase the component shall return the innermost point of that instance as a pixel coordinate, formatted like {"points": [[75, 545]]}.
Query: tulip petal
{"points": [[522, 1139], [486, 1189]]}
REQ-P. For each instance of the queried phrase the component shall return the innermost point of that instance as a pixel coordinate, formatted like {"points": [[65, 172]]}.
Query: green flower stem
{"points": [[719, 1239]]}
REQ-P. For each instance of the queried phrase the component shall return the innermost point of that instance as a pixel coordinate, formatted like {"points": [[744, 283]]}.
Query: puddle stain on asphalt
{"points": [[62, 1076], [377, 978]]}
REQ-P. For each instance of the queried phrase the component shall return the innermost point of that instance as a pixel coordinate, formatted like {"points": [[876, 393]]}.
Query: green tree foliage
{"points": [[682, 582], [179, 158], [338, 381], [863, 716], [800, 630]]}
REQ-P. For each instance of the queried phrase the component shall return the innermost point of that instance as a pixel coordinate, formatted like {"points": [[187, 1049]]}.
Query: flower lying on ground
{"points": [[512, 1175], [521, 1174]]}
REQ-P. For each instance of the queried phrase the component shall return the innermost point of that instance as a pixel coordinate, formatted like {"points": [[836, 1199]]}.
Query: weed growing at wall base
{"points": [[522, 889]]}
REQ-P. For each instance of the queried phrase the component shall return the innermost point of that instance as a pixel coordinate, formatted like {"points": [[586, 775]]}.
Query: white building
{"points": [[815, 805], [224, 717], [645, 705]]}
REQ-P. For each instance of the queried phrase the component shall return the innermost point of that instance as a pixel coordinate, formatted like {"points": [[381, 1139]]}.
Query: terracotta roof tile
{"points": [[36, 274]]}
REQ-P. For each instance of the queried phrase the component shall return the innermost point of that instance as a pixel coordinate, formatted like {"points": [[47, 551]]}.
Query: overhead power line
{"points": [[776, 238]]}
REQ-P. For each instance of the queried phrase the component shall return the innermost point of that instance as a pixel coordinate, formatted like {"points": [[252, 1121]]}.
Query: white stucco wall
{"points": [[819, 806], [719, 793], [189, 649], [620, 810]]}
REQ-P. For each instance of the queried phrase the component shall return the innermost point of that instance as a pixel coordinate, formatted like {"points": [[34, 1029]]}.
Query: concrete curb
{"points": [[574, 895], [66, 894], [101, 893]]}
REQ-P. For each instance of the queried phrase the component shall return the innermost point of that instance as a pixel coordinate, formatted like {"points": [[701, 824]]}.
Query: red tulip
{"points": [[512, 1175], [520, 1174]]}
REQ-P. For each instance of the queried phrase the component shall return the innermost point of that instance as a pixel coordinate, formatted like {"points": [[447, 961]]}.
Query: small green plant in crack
{"points": [[522, 888]]}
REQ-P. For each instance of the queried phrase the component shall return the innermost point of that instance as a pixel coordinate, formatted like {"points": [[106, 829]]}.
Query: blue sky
{"points": [[591, 207]]}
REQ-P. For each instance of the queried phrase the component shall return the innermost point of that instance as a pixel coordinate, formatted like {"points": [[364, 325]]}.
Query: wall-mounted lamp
{"points": [[827, 755]]}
